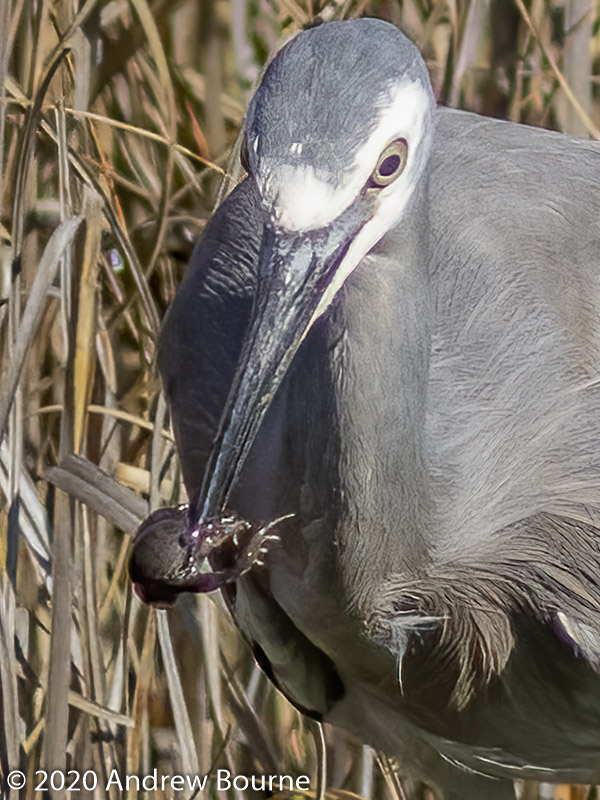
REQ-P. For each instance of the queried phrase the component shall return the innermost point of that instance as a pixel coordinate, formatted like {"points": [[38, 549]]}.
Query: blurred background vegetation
{"points": [[118, 130]]}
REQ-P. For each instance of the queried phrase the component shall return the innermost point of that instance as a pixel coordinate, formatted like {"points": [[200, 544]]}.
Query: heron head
{"points": [[335, 142], [338, 134]]}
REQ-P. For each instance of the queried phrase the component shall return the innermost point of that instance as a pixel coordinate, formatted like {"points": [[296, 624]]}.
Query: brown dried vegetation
{"points": [[118, 130]]}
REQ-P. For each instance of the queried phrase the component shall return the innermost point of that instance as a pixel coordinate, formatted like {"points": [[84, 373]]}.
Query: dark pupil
{"points": [[389, 165]]}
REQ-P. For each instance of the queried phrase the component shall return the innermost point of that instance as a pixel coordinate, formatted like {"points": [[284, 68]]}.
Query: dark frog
{"points": [[171, 556]]}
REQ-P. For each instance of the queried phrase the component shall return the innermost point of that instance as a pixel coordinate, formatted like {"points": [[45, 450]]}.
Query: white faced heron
{"points": [[391, 331]]}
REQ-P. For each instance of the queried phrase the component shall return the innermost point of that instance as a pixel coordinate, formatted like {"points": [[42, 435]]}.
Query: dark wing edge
{"points": [[203, 330]]}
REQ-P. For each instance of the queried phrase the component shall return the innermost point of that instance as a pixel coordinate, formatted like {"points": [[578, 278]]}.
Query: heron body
{"points": [[391, 329]]}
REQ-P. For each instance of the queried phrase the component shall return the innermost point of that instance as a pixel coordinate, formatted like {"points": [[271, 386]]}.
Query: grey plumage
{"points": [[436, 435], [344, 107]]}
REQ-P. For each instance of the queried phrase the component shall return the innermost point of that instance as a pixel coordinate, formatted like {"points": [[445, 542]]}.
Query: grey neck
{"points": [[380, 364]]}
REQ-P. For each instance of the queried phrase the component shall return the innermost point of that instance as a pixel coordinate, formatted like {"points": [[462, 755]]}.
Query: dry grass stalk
{"points": [[114, 132]]}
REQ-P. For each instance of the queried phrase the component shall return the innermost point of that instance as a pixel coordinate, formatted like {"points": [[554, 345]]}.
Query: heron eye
{"points": [[390, 165]]}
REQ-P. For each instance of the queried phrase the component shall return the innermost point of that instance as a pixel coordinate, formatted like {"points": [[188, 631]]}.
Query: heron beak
{"points": [[294, 272]]}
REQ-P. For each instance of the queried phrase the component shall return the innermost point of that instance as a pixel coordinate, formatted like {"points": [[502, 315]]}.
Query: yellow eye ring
{"points": [[390, 164]]}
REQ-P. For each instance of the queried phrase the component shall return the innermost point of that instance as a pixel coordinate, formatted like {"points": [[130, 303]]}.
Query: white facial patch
{"points": [[404, 118], [302, 201]]}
